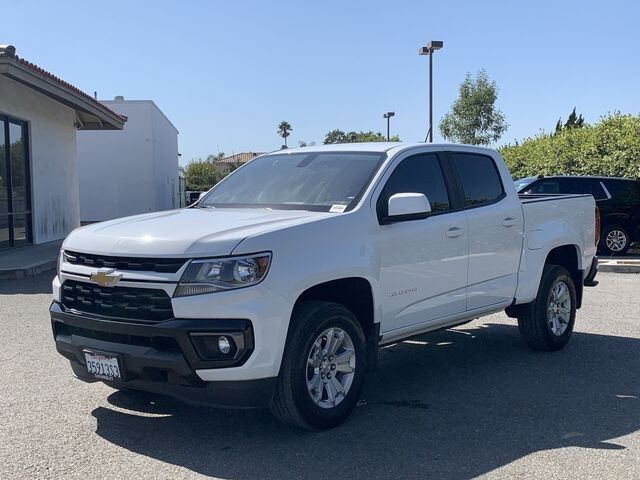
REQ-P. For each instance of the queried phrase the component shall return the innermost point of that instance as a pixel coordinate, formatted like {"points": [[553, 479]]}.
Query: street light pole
{"points": [[431, 47], [388, 116]]}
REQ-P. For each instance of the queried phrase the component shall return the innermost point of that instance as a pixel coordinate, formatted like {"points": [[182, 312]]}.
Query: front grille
{"points": [[162, 265], [141, 304], [158, 342]]}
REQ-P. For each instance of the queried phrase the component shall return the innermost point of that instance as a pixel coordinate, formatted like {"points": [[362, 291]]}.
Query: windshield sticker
{"points": [[338, 208]]}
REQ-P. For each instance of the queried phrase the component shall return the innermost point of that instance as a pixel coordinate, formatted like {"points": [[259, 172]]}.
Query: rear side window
{"points": [[624, 191], [480, 179], [417, 174]]}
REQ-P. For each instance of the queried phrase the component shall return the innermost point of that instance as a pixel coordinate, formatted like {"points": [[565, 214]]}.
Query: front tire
{"points": [[322, 368], [548, 323]]}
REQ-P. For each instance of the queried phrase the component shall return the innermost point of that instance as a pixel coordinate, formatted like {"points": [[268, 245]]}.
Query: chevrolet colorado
{"points": [[278, 286]]}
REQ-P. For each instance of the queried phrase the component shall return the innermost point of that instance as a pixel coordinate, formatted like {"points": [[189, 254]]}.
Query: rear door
{"points": [[495, 230]]}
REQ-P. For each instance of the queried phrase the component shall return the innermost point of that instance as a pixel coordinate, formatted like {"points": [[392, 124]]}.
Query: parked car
{"points": [[617, 198], [277, 288]]}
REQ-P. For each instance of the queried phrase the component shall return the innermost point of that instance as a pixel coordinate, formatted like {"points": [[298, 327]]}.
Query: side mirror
{"points": [[202, 194], [408, 206]]}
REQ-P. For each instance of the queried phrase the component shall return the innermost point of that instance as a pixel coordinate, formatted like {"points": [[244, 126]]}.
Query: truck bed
{"points": [[561, 220]]}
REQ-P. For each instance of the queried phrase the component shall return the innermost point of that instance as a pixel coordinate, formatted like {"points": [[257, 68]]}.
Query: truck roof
{"points": [[374, 147], [596, 177]]}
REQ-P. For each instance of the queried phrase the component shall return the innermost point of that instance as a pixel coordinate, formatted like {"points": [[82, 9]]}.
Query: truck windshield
{"points": [[523, 182], [316, 181]]}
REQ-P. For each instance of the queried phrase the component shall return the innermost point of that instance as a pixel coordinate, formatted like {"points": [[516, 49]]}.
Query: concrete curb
{"points": [[622, 265]]}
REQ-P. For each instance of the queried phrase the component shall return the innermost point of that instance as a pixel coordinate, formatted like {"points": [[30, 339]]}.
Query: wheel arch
{"points": [[354, 293], [568, 256]]}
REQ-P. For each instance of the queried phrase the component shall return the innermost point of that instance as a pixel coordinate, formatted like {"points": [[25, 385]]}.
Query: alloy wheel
{"points": [[616, 240], [559, 308], [331, 366]]}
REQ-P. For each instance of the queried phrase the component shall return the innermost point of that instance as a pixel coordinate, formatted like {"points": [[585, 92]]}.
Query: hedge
{"points": [[610, 147]]}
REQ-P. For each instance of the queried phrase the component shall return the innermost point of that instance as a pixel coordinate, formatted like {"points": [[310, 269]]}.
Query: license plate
{"points": [[102, 366]]}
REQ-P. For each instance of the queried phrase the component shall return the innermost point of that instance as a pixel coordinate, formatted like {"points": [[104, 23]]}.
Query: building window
{"points": [[15, 184]]}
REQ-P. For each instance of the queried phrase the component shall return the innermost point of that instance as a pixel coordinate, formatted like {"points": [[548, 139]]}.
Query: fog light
{"points": [[224, 345]]}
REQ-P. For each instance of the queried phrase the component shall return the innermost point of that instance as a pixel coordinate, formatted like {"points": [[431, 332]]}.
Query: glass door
{"points": [[15, 184]]}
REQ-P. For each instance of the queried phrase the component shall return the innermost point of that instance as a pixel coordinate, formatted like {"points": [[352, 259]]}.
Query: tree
{"points": [[338, 136], [284, 130], [201, 174], [573, 121], [474, 118]]}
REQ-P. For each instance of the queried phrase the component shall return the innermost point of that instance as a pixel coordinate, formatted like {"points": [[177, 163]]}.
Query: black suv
{"points": [[617, 198]]}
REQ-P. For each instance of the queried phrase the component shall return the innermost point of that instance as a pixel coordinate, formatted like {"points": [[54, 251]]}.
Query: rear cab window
{"points": [[479, 178]]}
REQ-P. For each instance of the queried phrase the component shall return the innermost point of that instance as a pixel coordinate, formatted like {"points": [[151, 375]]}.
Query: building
{"points": [[131, 171], [39, 116], [240, 158], [226, 165]]}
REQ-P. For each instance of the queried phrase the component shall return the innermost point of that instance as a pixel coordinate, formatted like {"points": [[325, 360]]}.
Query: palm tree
{"points": [[284, 130]]}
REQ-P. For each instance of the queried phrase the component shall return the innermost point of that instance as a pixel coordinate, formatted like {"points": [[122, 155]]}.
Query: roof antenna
{"points": [[95, 95]]}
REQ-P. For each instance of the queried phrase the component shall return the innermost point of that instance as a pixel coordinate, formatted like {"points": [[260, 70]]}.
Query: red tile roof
{"points": [[10, 53], [51, 76]]}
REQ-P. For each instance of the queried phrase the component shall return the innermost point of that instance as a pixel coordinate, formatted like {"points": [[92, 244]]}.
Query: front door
{"points": [[423, 271], [15, 182]]}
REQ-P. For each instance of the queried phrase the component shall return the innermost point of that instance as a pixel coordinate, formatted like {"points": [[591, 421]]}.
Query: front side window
{"points": [[417, 174], [314, 181], [548, 187], [479, 177], [575, 186]]}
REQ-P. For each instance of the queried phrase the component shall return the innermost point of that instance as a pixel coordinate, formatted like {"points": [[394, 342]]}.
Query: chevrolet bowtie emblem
{"points": [[106, 277]]}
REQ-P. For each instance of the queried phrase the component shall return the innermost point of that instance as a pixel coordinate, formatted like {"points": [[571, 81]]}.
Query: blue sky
{"points": [[226, 73]]}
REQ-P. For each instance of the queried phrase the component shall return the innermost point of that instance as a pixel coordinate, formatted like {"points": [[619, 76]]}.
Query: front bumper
{"points": [[162, 357]]}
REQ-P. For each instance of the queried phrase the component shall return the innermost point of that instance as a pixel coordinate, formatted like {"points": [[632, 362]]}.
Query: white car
{"points": [[278, 286]]}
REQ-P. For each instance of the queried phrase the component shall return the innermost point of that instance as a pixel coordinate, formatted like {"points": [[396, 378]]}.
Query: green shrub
{"points": [[609, 147]]}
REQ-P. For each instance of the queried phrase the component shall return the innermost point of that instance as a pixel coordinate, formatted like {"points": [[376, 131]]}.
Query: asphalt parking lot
{"points": [[463, 403]]}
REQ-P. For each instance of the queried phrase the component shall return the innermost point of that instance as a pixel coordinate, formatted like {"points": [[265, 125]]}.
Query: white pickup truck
{"points": [[278, 286]]}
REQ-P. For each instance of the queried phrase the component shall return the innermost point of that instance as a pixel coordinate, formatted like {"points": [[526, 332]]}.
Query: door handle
{"points": [[509, 222], [454, 232]]}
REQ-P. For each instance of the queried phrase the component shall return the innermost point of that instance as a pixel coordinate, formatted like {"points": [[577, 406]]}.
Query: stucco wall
{"points": [[129, 171], [52, 146], [165, 154]]}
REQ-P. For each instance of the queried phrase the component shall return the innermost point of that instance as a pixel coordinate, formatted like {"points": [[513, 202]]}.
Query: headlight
{"points": [[220, 274]]}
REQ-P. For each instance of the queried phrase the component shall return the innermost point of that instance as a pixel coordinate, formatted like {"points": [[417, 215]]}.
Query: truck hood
{"points": [[189, 232]]}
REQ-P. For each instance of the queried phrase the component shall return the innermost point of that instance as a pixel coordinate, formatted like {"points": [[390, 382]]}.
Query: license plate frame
{"points": [[103, 366]]}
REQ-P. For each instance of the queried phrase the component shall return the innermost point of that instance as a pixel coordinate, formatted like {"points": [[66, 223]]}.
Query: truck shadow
{"points": [[453, 404]]}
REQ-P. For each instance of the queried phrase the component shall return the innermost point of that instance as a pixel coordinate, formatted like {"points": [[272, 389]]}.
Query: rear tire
{"points": [[325, 353], [548, 323], [615, 240]]}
